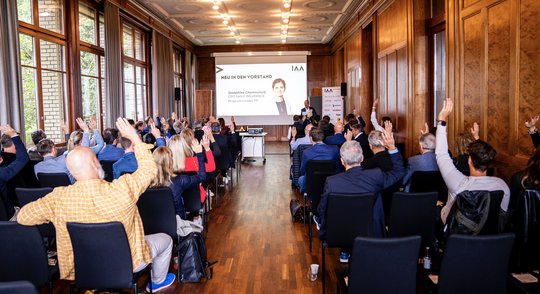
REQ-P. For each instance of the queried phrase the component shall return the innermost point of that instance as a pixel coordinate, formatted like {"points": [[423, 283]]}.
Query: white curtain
{"points": [[11, 103], [162, 75], [113, 69]]}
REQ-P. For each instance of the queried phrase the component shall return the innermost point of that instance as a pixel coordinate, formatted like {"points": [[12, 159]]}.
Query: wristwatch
{"points": [[441, 123]]}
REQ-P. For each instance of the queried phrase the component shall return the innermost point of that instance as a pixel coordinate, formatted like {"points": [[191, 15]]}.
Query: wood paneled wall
{"points": [[496, 64]]}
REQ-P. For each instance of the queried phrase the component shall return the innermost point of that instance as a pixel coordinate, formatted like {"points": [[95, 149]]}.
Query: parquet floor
{"points": [[251, 235]]}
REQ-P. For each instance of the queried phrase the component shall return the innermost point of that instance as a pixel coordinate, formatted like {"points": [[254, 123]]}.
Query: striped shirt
{"points": [[96, 201]]}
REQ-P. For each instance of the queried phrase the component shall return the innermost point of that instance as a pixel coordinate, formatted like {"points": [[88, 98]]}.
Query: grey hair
{"points": [[178, 127], [196, 125], [351, 153], [375, 138], [427, 141]]}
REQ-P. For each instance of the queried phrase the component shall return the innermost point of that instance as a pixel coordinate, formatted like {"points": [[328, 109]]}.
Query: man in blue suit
{"points": [[356, 180], [338, 138], [425, 161], [110, 152], [319, 151]]}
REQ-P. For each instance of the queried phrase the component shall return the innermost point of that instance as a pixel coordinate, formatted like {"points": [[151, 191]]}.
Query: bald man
{"points": [[93, 200], [337, 139]]}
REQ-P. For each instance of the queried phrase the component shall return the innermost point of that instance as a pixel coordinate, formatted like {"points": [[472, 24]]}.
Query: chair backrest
{"points": [[475, 264], [27, 195], [413, 214], [192, 199], [527, 229], [107, 166], [53, 180], [313, 187], [102, 255], [384, 265], [156, 208], [429, 181], [316, 186], [22, 254], [492, 223], [297, 161], [18, 287], [347, 217], [224, 160]]}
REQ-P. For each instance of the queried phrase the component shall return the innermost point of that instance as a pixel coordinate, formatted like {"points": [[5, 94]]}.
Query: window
{"points": [[92, 61], [43, 66], [178, 61], [437, 44], [135, 71]]}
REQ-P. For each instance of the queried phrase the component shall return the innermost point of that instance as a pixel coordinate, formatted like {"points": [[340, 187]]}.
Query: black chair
{"points": [[347, 216], [223, 163], [414, 214], [315, 189], [192, 202], [27, 195], [24, 257], [492, 223], [526, 223], [18, 287], [312, 186], [102, 257], [107, 166], [156, 208], [429, 181], [53, 180], [382, 266], [475, 264]]}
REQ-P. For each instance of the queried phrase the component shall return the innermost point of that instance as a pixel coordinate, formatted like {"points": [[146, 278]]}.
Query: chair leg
{"points": [[71, 288], [305, 207], [217, 189], [135, 289], [310, 231], [323, 273]]}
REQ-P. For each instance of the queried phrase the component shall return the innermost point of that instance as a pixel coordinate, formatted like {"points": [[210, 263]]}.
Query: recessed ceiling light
{"points": [[237, 42], [287, 5], [285, 20], [283, 41], [284, 31], [215, 7], [225, 22], [231, 33]]}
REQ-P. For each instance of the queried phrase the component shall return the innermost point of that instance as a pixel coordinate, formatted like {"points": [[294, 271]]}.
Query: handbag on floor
{"points": [[193, 263], [297, 210]]}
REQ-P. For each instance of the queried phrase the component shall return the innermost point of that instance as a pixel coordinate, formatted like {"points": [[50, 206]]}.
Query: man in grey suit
{"points": [[425, 161]]}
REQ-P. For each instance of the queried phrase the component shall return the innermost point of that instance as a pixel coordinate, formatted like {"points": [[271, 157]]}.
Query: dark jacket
{"points": [[319, 151], [9, 171], [336, 139], [364, 143], [380, 160], [183, 182], [357, 180]]}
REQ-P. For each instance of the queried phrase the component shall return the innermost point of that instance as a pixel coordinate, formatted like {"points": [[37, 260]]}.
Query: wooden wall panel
{"points": [[207, 73], [467, 3], [401, 96], [391, 85], [383, 108], [473, 73], [529, 69], [498, 76], [392, 25], [204, 101]]}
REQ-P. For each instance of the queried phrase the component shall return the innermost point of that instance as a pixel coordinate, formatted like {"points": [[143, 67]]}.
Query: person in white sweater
{"points": [[481, 154]]}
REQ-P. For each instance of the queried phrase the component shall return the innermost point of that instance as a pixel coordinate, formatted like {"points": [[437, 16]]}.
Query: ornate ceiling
{"points": [[229, 22]]}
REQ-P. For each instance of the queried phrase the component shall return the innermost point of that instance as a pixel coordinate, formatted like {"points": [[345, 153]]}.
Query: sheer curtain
{"points": [[162, 75], [113, 55], [11, 103]]}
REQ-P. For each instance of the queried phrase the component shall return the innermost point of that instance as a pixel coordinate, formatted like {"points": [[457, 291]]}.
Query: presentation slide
{"points": [[261, 93]]}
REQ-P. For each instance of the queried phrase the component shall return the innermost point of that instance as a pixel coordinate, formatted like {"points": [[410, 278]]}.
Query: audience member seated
{"points": [[93, 200], [139, 126], [82, 137], [373, 117], [528, 179], [425, 161], [295, 142], [381, 158], [337, 138], [533, 130], [225, 130], [110, 152], [324, 126], [358, 117], [481, 155], [51, 162], [36, 136], [330, 125], [9, 150], [356, 180], [350, 120], [7, 172], [359, 136], [128, 162], [319, 151], [197, 127]]}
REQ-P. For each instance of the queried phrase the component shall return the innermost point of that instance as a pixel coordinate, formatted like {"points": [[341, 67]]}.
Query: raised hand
{"points": [[531, 125], [293, 132], [64, 127], [232, 119], [82, 124], [197, 148], [425, 130], [93, 123], [375, 103], [388, 136], [348, 135], [205, 142], [475, 131], [174, 116], [8, 130], [155, 131], [447, 108], [127, 131]]}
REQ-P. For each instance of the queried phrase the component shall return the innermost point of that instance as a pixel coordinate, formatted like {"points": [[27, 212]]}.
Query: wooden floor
{"points": [[251, 235]]}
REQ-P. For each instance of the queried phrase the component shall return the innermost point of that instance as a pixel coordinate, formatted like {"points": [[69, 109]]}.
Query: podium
{"points": [[253, 146]]}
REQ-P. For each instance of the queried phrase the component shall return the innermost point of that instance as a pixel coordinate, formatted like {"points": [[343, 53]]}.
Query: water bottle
{"points": [[427, 260]]}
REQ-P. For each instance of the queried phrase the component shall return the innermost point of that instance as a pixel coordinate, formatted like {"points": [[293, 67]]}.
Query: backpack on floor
{"points": [[193, 265], [297, 210]]}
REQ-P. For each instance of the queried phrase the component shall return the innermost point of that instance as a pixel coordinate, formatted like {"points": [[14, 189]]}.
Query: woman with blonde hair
{"points": [[82, 137], [163, 157]]}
